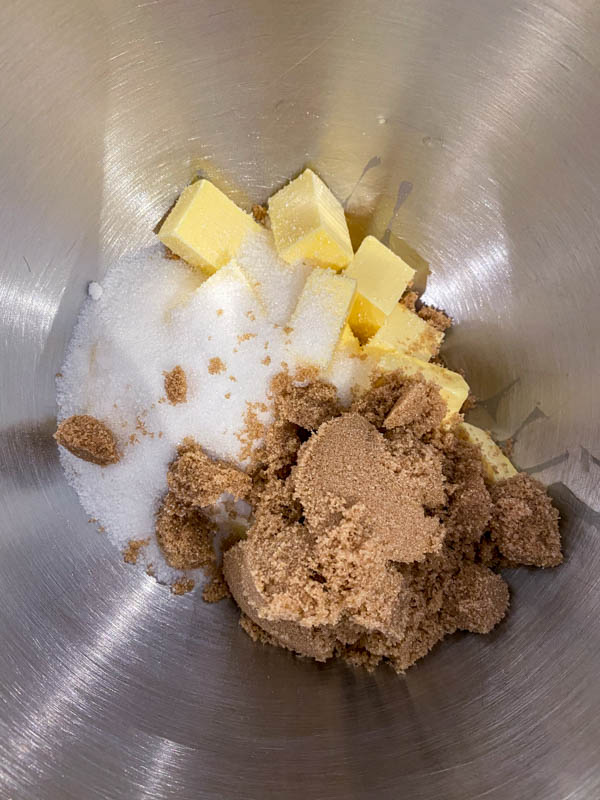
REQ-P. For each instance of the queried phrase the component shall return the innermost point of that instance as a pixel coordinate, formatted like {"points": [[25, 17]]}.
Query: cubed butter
{"points": [[319, 317], [381, 278], [453, 387], [496, 465], [406, 333], [308, 223], [205, 227]]}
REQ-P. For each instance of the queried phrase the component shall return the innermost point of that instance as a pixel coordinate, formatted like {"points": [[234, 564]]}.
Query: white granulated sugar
{"points": [[277, 283], [347, 371], [95, 290], [152, 315], [319, 316]]}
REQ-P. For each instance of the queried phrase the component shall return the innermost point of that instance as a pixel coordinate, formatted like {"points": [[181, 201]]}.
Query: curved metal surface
{"points": [[466, 131]]}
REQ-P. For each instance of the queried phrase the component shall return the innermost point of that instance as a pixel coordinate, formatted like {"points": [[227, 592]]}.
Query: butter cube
{"points": [[319, 317], [453, 387], [496, 465], [308, 223], [381, 278], [205, 227], [405, 332]]}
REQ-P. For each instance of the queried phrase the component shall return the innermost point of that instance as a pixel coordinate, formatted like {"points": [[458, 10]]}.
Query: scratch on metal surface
{"points": [[310, 53], [28, 265], [373, 162], [404, 190]]}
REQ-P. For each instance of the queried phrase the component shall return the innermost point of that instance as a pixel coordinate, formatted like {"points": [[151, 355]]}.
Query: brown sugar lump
{"points": [[524, 523], [185, 536], [348, 460], [198, 481], [418, 405], [89, 439], [306, 404], [176, 385], [478, 598]]}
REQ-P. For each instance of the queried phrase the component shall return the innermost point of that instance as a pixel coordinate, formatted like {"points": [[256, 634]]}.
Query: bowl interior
{"points": [[465, 136]]}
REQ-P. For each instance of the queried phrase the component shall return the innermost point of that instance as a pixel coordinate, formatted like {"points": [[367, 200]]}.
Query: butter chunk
{"points": [[381, 278], [453, 387], [406, 333], [320, 316], [496, 465], [205, 227], [308, 223]]}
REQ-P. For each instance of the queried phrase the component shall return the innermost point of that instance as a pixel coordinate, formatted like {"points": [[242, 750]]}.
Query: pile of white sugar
{"points": [[226, 332]]}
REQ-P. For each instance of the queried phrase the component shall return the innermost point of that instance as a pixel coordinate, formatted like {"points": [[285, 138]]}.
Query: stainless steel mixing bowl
{"points": [[464, 133]]}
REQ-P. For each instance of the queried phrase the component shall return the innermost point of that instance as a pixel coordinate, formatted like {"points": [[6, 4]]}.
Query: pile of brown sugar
{"points": [[375, 533]]}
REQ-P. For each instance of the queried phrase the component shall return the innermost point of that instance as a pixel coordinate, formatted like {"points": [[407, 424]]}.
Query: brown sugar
{"points": [[260, 213], [374, 534], [215, 366], [436, 318], [176, 385], [89, 439], [185, 536], [183, 586], [418, 405], [374, 538], [307, 405], [132, 551], [524, 523], [197, 481]]}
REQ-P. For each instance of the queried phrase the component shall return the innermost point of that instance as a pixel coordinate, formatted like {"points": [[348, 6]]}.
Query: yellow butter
{"points": [[381, 278], [205, 227], [496, 465], [453, 388], [405, 332], [308, 223], [319, 317]]}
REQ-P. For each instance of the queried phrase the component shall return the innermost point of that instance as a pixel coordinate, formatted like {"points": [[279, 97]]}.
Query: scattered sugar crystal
{"points": [[94, 290]]}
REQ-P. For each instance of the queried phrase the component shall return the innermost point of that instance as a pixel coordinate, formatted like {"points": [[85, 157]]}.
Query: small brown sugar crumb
{"points": [[251, 316], [244, 337], [266, 361], [409, 300], [170, 254], [176, 385], [307, 404], [219, 312], [233, 379], [88, 438], [227, 395], [132, 551], [182, 586], [185, 536], [524, 523], [197, 481], [260, 213], [216, 589], [215, 366], [436, 318]]}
